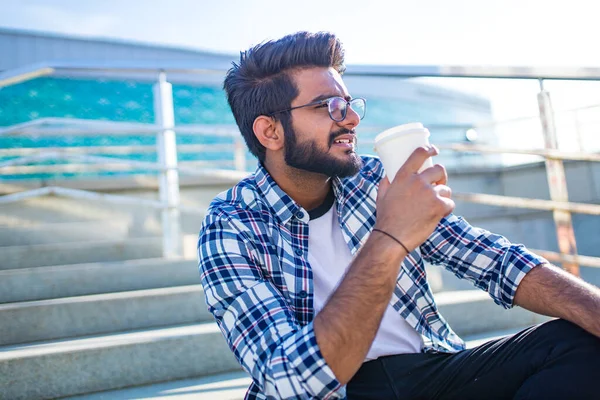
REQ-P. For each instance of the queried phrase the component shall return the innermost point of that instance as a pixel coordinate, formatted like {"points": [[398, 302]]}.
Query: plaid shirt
{"points": [[253, 249]]}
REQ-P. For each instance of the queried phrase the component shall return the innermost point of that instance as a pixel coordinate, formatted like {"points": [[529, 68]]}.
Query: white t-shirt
{"points": [[329, 256]]}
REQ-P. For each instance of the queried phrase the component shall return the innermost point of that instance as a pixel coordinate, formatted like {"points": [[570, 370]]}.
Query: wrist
{"points": [[386, 246], [392, 237]]}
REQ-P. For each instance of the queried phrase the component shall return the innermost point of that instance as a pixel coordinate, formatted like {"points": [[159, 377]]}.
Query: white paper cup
{"points": [[396, 144]]}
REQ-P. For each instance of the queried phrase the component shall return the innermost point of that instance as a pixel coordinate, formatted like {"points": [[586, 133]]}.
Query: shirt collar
{"points": [[282, 205]]}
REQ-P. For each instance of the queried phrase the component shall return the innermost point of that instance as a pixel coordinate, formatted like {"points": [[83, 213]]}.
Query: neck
{"points": [[308, 189]]}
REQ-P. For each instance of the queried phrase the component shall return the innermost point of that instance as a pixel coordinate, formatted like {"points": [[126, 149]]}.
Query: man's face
{"points": [[312, 140]]}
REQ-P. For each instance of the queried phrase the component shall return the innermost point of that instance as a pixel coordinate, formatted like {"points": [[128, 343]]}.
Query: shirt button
{"points": [[300, 215], [303, 294], [298, 252]]}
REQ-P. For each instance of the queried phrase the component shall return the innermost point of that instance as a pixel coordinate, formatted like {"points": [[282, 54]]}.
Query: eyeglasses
{"points": [[337, 107]]}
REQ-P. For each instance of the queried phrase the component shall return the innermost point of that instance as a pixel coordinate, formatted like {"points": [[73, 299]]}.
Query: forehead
{"points": [[318, 81]]}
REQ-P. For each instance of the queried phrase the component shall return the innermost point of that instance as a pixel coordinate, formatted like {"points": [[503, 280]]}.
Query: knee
{"points": [[565, 333]]}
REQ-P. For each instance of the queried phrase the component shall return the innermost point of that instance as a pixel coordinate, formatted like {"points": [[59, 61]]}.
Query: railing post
{"points": [[239, 154], [557, 182], [167, 159]]}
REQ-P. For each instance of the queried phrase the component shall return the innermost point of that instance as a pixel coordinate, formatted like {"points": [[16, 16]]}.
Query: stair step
{"points": [[472, 311], [70, 367], [41, 283], [101, 313], [70, 232], [39, 255], [50, 209], [228, 386]]}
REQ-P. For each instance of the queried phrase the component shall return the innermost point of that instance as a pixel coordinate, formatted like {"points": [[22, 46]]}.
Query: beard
{"points": [[309, 157]]}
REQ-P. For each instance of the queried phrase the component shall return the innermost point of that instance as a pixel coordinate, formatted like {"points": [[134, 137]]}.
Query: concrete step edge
{"points": [[68, 280], [98, 264], [226, 386], [69, 245], [131, 294], [69, 224], [12, 352], [447, 298], [231, 385]]}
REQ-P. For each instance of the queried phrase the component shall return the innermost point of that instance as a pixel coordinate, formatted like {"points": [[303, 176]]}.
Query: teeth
{"points": [[342, 141]]}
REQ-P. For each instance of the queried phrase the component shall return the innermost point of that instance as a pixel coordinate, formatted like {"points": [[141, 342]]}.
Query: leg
{"points": [[570, 371], [553, 360]]}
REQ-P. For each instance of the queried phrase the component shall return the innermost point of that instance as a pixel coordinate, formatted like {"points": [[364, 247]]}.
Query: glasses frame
{"points": [[328, 101]]}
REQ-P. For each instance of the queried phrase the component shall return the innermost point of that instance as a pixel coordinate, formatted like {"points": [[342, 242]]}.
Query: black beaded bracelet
{"points": [[393, 238]]}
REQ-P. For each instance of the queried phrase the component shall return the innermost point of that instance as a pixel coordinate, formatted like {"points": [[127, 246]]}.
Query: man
{"points": [[313, 266]]}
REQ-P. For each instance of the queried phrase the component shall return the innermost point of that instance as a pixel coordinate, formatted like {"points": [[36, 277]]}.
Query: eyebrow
{"points": [[328, 96]]}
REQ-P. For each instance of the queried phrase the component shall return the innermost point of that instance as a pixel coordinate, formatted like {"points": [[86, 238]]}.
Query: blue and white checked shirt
{"points": [[253, 249]]}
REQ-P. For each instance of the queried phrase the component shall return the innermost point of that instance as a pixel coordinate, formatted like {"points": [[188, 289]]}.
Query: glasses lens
{"points": [[359, 106], [337, 108]]}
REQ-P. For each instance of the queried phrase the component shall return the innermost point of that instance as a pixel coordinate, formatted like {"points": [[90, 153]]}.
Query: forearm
{"points": [[549, 290], [348, 323]]}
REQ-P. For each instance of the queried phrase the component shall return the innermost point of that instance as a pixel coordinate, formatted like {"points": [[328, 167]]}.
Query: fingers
{"points": [[448, 205], [445, 199], [435, 175], [443, 191], [416, 159]]}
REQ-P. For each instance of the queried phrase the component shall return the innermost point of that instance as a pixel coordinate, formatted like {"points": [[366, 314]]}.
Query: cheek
{"points": [[318, 130]]}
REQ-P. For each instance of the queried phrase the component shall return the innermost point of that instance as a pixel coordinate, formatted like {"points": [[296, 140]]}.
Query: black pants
{"points": [[554, 360]]}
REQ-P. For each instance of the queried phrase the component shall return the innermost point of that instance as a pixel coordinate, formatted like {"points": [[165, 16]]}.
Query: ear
{"points": [[268, 132]]}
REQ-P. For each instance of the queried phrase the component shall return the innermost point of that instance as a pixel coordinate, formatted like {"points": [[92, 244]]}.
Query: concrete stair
{"points": [[88, 306], [28, 256], [101, 313], [52, 282], [53, 369], [106, 361], [472, 312], [227, 386], [50, 233]]}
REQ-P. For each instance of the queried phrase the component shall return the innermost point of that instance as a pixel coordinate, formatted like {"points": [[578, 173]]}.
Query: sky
{"points": [[434, 32], [507, 32]]}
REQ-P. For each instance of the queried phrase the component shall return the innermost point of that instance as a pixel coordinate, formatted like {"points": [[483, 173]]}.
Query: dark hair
{"points": [[261, 83]]}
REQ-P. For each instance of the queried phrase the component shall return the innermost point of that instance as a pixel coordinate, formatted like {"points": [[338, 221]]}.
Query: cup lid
{"points": [[405, 129]]}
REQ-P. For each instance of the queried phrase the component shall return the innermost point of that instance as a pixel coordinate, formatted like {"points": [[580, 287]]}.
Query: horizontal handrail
{"points": [[211, 130], [117, 150], [522, 202], [216, 147], [90, 195], [112, 167], [222, 64], [475, 71], [578, 259], [547, 153]]}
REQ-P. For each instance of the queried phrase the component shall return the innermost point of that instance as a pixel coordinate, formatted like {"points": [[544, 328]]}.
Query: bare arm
{"points": [[549, 290], [409, 209], [347, 325]]}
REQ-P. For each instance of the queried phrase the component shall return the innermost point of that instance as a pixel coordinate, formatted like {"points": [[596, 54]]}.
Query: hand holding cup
{"points": [[417, 198]]}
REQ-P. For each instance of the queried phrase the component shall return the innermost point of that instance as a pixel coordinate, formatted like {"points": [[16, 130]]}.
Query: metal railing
{"points": [[168, 168]]}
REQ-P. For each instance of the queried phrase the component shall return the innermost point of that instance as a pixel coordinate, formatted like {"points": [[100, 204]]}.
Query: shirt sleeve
{"points": [[282, 356], [488, 260]]}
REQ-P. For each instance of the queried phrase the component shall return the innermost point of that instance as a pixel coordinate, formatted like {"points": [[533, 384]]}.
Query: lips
{"points": [[345, 139]]}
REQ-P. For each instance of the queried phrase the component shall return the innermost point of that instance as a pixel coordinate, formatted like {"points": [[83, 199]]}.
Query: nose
{"points": [[352, 119]]}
